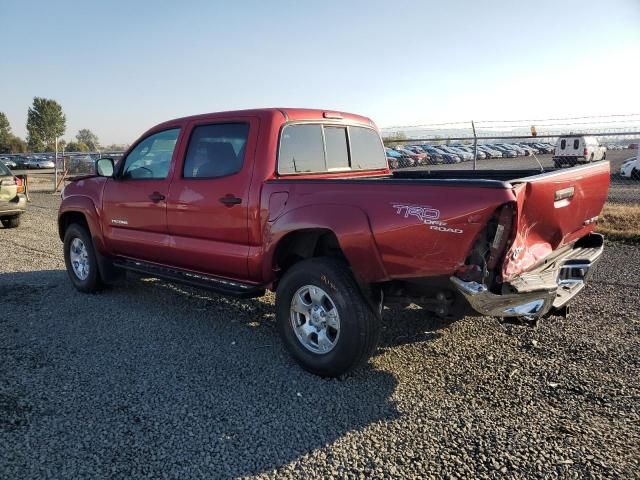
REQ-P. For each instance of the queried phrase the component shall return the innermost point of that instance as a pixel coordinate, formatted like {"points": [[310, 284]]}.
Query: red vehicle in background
{"points": [[302, 202], [419, 158]]}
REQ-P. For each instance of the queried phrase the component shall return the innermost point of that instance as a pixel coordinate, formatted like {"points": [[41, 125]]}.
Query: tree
{"points": [[16, 145], [396, 137], [9, 143], [89, 138], [76, 147], [116, 147], [5, 133], [45, 123], [5, 127]]}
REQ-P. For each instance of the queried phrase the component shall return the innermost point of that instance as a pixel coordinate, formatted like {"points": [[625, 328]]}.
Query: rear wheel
{"points": [[11, 222], [80, 259], [323, 318]]}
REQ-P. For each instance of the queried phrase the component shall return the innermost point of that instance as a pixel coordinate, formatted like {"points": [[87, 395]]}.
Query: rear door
{"points": [[569, 147], [134, 202], [207, 206]]}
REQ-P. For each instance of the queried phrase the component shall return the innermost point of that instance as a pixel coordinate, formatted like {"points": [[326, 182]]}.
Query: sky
{"points": [[120, 67]]}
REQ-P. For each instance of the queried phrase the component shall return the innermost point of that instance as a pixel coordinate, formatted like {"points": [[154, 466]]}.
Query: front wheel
{"points": [[11, 222], [80, 260], [323, 318]]}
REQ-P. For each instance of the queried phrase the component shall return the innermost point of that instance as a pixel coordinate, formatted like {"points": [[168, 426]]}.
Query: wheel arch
{"points": [[80, 210], [323, 230]]}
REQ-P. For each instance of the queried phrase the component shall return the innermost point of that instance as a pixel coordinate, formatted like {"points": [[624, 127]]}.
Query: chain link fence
{"points": [[522, 152]]}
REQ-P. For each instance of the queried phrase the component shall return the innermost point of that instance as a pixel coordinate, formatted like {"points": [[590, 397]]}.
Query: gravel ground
{"points": [[150, 379]]}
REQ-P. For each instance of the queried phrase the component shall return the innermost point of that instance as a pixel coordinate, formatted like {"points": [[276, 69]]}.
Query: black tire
{"points": [[635, 174], [93, 282], [359, 323], [11, 222]]}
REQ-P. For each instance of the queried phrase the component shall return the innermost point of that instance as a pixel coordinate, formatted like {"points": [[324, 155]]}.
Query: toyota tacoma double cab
{"points": [[303, 202]]}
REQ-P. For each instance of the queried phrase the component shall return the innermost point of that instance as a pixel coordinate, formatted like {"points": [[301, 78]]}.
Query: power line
{"points": [[560, 119], [631, 122], [426, 125], [514, 121]]}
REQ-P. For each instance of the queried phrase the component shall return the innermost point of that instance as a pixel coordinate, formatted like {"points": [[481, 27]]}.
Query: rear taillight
{"points": [[585, 152], [20, 185], [501, 239]]}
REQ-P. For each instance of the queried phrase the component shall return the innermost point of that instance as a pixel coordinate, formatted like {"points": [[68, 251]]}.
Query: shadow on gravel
{"points": [[408, 325], [150, 379]]}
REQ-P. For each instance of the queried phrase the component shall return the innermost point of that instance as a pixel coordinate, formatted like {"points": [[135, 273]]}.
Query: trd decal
{"points": [[427, 215]]}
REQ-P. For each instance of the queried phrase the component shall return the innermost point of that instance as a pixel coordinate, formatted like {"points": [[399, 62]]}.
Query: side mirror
{"points": [[104, 167]]}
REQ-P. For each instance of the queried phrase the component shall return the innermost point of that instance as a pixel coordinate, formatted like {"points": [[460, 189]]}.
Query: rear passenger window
{"points": [[335, 139], [563, 144], [366, 149], [216, 150], [576, 144], [315, 148], [301, 149]]}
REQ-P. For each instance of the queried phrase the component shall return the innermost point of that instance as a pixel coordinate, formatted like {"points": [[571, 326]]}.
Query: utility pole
{"points": [[55, 170], [475, 146]]}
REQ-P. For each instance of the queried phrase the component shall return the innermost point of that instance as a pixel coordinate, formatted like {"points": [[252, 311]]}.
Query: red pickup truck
{"points": [[302, 202]]}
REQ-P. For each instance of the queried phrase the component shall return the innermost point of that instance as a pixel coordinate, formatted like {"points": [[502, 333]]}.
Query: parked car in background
{"points": [[491, 152], [464, 156], [42, 163], [630, 169], [544, 148], [8, 162], [435, 151], [506, 152], [393, 158], [469, 149], [21, 161], [529, 148], [519, 151], [13, 201], [571, 150], [434, 157], [418, 158]]}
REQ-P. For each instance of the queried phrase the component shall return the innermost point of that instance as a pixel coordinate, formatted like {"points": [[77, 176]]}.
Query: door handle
{"points": [[230, 200], [155, 197]]}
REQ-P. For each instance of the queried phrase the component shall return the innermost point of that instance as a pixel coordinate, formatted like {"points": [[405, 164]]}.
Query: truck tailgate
{"points": [[553, 210]]}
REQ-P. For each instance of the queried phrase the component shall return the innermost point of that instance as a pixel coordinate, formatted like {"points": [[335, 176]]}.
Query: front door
{"points": [[134, 201], [207, 207]]}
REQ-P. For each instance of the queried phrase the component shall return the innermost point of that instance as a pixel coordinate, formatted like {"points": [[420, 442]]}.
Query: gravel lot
{"points": [[150, 379]]}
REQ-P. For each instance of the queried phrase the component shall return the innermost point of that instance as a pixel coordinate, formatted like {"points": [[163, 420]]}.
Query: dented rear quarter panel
{"points": [[387, 228]]}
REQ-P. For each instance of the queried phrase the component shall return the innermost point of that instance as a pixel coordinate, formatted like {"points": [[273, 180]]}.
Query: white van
{"points": [[572, 149]]}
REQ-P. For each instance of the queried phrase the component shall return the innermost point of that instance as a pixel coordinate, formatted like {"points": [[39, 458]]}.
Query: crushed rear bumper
{"points": [[535, 293]]}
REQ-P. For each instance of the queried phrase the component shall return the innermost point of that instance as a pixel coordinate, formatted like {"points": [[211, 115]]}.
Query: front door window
{"points": [[151, 158]]}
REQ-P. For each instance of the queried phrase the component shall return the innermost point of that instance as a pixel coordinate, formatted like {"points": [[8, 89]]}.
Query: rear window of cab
{"points": [[320, 148]]}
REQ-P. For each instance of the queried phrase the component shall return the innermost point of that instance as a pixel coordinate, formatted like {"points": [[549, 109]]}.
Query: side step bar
{"points": [[208, 282]]}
